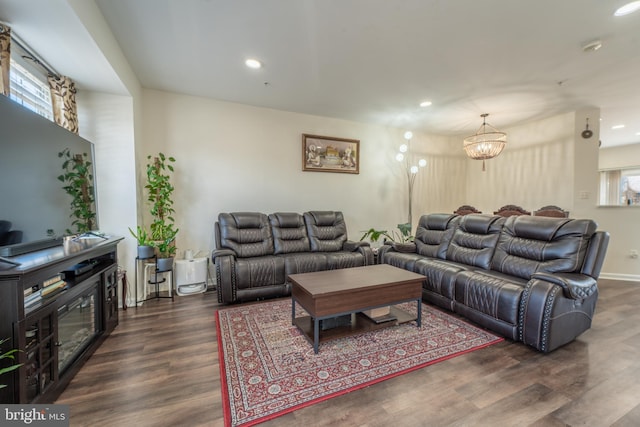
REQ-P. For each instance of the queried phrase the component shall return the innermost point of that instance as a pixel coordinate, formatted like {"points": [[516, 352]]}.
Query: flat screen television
{"points": [[32, 198]]}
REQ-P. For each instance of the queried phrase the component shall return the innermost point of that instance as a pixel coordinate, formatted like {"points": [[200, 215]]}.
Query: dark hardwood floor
{"points": [[160, 368]]}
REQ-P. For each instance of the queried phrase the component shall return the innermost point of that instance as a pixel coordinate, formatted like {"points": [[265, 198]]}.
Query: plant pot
{"points": [[145, 252], [164, 264]]}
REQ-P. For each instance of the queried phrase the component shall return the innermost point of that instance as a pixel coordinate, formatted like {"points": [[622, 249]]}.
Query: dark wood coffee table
{"points": [[332, 293]]}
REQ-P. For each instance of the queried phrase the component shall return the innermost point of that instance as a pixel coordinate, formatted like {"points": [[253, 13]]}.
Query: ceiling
{"points": [[370, 61]]}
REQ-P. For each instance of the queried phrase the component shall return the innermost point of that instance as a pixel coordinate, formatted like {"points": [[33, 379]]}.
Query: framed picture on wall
{"points": [[329, 154]]}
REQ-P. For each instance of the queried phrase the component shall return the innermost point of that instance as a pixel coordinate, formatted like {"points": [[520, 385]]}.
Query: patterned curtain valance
{"points": [[63, 98], [5, 59]]}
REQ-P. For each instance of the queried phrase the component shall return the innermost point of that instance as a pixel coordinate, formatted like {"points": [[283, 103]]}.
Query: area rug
{"points": [[268, 367]]}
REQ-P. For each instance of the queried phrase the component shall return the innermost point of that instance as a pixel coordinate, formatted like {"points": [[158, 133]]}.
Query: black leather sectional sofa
{"points": [[530, 279], [256, 252]]}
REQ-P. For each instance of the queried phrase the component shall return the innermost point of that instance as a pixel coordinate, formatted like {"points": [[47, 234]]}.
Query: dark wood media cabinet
{"points": [[56, 333]]}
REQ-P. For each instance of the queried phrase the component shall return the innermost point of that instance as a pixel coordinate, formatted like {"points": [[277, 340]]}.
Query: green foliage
{"points": [[141, 236], [403, 235], [405, 231], [78, 182], [167, 247], [8, 355], [160, 196]]}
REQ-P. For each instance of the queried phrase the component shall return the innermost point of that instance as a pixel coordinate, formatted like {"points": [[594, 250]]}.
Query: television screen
{"points": [[32, 198]]}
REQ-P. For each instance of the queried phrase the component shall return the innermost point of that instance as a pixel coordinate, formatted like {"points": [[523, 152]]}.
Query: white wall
{"points": [[107, 121], [623, 156], [233, 157]]}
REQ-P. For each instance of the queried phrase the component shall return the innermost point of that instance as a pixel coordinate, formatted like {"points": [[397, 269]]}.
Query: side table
{"points": [[153, 281]]}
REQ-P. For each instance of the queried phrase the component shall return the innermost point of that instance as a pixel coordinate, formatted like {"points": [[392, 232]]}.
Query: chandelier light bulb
{"points": [[403, 148], [422, 163], [414, 169], [408, 135], [399, 157]]}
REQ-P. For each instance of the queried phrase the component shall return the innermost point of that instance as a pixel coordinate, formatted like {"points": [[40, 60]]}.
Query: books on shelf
{"points": [[49, 287], [52, 280], [53, 288], [32, 298]]}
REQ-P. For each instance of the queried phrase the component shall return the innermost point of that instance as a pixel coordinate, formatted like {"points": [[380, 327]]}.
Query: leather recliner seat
{"points": [[530, 279]]}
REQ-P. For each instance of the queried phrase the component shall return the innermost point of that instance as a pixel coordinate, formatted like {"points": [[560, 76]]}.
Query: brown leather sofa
{"points": [[255, 252], [529, 279]]}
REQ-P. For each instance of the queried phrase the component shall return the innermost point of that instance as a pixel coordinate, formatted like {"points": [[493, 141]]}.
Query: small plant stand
{"points": [[156, 279]]}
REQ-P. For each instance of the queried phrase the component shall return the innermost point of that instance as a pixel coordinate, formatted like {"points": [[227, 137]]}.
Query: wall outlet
{"points": [[584, 195], [633, 253]]}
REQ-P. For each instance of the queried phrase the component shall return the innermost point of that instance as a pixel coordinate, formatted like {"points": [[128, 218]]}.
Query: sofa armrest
{"points": [[220, 253], [382, 250], [224, 261], [574, 285], [351, 246], [362, 247]]}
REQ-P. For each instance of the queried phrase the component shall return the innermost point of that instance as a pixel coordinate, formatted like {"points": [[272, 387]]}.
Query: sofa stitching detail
{"points": [[546, 320], [523, 311]]}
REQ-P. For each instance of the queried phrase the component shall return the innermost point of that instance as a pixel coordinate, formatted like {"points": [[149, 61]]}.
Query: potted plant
{"points": [[145, 245], [403, 235], [160, 196], [78, 181], [166, 251], [401, 240]]}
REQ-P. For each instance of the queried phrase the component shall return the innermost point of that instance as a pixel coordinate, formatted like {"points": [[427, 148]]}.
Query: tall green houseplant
{"points": [[160, 196], [77, 178]]}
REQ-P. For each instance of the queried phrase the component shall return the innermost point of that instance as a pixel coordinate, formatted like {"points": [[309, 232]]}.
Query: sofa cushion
{"points": [[336, 260], [327, 230], [489, 298], [259, 271], [295, 263], [403, 260], [530, 244], [289, 233], [433, 234], [474, 240], [248, 234], [441, 277]]}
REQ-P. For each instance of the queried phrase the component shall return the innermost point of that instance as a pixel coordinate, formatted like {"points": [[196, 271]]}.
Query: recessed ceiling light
{"points": [[638, 133], [425, 103], [627, 8], [253, 63], [617, 127]]}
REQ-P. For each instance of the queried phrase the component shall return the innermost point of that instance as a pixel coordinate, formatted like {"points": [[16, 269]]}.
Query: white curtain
{"points": [[610, 187]]}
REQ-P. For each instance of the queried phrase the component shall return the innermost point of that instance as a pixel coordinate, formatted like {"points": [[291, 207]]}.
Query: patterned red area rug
{"points": [[268, 368]]}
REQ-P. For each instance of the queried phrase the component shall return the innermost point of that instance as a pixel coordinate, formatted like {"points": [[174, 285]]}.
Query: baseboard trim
{"points": [[617, 276]]}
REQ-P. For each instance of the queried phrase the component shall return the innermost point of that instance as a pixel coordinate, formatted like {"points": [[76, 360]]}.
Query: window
{"points": [[620, 187], [29, 86]]}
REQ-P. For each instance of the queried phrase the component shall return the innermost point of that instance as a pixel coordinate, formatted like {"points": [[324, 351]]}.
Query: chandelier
{"points": [[411, 167], [486, 143]]}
